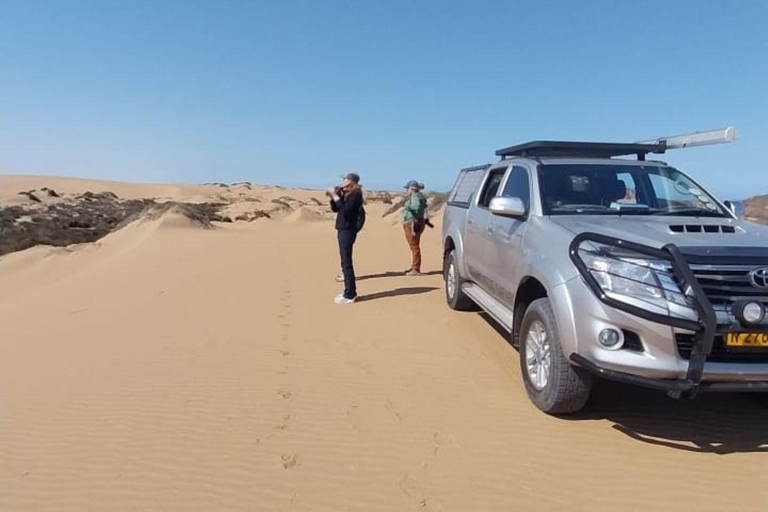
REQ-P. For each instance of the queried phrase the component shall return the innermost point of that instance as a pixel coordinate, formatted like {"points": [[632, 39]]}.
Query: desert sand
{"points": [[171, 367]]}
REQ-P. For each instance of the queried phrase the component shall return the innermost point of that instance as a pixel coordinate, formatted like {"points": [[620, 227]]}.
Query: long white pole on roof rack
{"points": [[690, 140]]}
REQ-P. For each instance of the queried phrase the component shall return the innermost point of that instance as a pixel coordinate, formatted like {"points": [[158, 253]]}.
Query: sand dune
{"points": [[170, 367], [305, 214]]}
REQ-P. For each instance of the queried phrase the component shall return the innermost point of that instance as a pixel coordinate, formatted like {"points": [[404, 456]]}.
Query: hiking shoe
{"points": [[341, 299], [413, 273], [339, 279]]}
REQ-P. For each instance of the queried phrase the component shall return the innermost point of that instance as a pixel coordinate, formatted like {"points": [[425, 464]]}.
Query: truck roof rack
{"points": [[538, 148], [544, 148], [475, 168]]}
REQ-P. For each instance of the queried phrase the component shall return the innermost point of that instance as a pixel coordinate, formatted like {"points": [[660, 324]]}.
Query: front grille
{"points": [[720, 353], [724, 284]]}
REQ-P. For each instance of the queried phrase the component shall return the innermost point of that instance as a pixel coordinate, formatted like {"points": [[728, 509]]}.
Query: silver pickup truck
{"points": [[608, 267]]}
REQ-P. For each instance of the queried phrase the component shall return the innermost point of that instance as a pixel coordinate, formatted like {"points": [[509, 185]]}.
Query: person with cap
{"points": [[347, 202], [414, 220]]}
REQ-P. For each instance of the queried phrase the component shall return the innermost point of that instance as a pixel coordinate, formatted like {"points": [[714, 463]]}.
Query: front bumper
{"points": [[674, 387], [658, 364]]}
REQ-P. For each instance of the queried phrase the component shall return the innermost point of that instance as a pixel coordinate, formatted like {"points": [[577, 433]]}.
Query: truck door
{"points": [[506, 236], [477, 241]]}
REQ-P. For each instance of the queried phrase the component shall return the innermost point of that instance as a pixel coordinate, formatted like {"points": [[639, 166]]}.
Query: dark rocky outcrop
{"points": [[378, 197], [282, 204], [89, 217], [31, 196], [59, 224], [251, 216]]}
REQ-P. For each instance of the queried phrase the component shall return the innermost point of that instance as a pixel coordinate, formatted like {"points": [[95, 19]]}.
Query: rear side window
{"points": [[465, 187]]}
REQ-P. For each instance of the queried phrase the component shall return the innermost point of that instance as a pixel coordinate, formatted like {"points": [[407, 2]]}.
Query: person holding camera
{"points": [[347, 202], [414, 221]]}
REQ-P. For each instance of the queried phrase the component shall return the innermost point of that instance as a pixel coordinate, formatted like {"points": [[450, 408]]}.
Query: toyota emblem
{"points": [[759, 277]]}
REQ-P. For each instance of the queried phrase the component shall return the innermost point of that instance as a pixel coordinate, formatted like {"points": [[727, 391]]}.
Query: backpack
{"points": [[361, 219]]}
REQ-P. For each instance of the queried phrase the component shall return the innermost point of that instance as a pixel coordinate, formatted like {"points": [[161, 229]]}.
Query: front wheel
{"points": [[553, 384], [454, 295]]}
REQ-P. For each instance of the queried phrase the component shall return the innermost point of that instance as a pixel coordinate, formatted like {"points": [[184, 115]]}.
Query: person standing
{"points": [[414, 221], [347, 202]]}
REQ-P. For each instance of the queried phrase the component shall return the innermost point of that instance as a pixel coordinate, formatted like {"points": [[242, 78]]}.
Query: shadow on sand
{"points": [[397, 292], [718, 423], [394, 274]]}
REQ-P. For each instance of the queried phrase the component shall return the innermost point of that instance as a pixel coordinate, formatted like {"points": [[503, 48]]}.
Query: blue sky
{"points": [[295, 92]]}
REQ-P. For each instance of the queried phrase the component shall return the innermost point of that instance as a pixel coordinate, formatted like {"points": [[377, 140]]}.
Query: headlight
{"points": [[638, 281]]}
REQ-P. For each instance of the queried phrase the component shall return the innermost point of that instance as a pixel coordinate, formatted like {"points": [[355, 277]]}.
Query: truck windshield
{"points": [[576, 189]]}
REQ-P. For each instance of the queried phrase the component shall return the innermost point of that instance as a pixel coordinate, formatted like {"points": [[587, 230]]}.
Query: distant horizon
{"points": [[298, 187]]}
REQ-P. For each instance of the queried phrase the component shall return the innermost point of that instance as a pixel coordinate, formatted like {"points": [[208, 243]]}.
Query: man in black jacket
{"points": [[347, 202]]}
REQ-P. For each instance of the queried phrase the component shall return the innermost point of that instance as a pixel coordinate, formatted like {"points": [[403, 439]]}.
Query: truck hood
{"points": [[695, 236]]}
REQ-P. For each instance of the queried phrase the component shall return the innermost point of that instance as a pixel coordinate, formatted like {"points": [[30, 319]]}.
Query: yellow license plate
{"points": [[746, 339]]}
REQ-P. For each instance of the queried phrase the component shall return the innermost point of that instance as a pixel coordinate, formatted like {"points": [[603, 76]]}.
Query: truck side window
{"points": [[465, 187], [491, 188], [518, 186]]}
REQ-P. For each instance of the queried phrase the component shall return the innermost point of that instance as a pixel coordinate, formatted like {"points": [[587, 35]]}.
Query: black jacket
{"points": [[348, 210]]}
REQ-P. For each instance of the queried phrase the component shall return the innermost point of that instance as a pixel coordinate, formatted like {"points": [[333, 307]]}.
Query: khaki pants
{"points": [[413, 233]]}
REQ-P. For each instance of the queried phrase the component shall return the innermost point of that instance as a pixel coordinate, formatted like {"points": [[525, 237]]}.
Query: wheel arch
{"points": [[529, 290], [453, 242]]}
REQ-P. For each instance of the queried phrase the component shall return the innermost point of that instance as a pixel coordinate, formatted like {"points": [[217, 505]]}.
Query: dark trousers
{"points": [[346, 241]]}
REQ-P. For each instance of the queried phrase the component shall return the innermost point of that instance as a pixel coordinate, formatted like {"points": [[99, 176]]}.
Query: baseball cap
{"points": [[414, 184], [351, 176]]}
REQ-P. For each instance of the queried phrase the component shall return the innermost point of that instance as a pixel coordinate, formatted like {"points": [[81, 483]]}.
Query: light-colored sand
{"points": [[174, 368]]}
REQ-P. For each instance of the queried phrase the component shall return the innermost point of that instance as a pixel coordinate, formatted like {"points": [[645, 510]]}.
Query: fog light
{"points": [[752, 312], [610, 338]]}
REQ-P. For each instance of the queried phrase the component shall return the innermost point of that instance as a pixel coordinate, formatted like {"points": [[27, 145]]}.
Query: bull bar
{"points": [[704, 328]]}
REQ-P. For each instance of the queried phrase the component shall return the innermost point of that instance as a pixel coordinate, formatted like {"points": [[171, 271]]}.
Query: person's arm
{"points": [[335, 198]]}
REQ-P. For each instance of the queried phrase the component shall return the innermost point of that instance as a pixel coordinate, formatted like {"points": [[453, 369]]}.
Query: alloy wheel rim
{"points": [[538, 355], [451, 281]]}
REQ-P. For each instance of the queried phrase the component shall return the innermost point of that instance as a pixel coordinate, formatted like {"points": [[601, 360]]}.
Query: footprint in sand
{"points": [[289, 461], [284, 424], [285, 353], [390, 406], [285, 394], [413, 489], [437, 443]]}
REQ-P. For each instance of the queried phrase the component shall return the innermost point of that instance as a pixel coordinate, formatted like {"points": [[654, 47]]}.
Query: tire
{"points": [[454, 295], [564, 388]]}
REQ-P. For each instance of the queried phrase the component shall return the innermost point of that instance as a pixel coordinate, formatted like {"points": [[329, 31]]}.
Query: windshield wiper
{"points": [[577, 207], [690, 212]]}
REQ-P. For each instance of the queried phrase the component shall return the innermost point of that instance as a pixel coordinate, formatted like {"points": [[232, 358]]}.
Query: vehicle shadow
{"points": [[396, 293], [395, 274], [494, 325], [718, 423]]}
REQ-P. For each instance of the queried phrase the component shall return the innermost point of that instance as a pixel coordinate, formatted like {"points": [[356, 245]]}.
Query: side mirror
{"points": [[507, 206], [737, 207]]}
